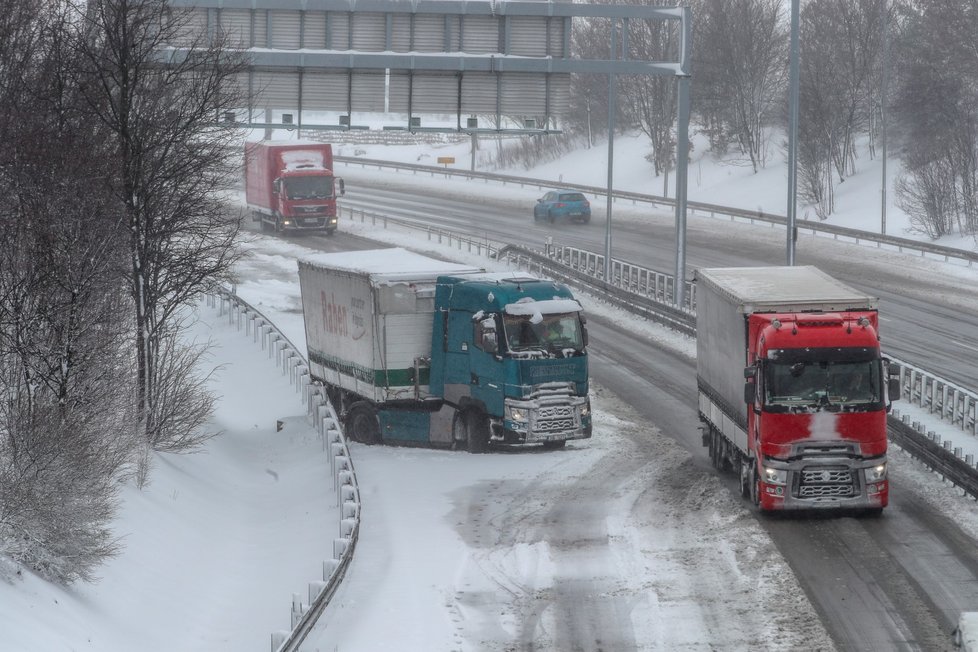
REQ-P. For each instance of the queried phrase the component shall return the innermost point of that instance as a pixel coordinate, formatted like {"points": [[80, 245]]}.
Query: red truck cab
{"points": [[290, 185], [816, 421]]}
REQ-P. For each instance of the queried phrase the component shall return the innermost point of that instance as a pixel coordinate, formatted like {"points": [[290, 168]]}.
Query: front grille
{"points": [[554, 412], [826, 491], [555, 425], [309, 209], [826, 482], [554, 418]]}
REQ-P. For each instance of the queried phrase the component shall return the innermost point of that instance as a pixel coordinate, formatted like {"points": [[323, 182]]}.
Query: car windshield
{"points": [[573, 196], [552, 333], [309, 187], [806, 384]]}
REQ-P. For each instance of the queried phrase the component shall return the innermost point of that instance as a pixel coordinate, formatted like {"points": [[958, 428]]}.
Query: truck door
{"points": [[485, 365]]}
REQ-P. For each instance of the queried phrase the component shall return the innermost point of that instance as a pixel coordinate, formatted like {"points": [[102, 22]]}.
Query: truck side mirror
{"points": [[750, 393], [490, 344], [893, 381], [750, 372], [341, 187]]}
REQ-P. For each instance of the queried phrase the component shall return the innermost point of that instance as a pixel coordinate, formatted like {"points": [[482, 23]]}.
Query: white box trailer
{"points": [[371, 329]]}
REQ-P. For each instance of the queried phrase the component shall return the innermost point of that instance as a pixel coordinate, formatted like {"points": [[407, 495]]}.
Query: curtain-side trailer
{"points": [[793, 390]]}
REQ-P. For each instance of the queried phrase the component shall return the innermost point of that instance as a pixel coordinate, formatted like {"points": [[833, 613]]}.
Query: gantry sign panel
{"points": [[463, 57], [414, 57]]}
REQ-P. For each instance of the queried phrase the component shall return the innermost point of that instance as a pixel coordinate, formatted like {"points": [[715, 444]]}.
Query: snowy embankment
{"points": [[215, 546]]}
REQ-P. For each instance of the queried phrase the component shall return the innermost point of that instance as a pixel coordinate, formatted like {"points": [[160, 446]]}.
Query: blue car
{"points": [[563, 204]]}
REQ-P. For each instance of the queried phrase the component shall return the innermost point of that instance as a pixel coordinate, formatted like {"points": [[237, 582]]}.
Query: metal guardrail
{"points": [[647, 292], [327, 422], [952, 404], [969, 258]]}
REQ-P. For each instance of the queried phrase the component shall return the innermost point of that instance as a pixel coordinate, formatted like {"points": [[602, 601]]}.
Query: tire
{"points": [[555, 445], [755, 487], [264, 225], [460, 432], [744, 480], [551, 217], [476, 431], [362, 424]]}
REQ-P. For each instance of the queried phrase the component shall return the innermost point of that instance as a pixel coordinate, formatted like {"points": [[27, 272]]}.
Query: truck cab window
{"points": [[822, 384], [309, 187], [554, 332]]}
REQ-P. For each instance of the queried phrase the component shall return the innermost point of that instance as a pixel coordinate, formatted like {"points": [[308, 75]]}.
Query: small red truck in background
{"points": [[793, 390], [289, 185]]}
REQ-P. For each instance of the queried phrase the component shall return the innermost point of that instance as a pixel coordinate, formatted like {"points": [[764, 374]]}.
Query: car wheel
{"points": [[551, 217]]}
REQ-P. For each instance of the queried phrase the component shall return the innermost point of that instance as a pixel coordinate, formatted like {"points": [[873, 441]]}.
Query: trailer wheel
{"points": [[362, 423]]}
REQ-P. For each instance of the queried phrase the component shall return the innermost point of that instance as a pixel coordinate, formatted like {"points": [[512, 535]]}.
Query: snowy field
{"points": [[216, 545]]}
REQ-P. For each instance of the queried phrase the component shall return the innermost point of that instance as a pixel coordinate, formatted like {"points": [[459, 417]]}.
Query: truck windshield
{"points": [[553, 333], [309, 188], [841, 385]]}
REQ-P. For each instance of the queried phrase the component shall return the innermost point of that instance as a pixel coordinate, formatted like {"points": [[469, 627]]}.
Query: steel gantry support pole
{"points": [[682, 156], [612, 109], [793, 135]]}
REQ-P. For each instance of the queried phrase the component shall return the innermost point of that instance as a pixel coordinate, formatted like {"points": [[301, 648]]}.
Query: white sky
{"points": [[217, 544]]}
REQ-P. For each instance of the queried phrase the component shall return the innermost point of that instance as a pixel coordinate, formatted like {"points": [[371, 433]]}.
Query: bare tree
{"points": [[740, 67], [171, 167], [935, 105], [65, 417]]}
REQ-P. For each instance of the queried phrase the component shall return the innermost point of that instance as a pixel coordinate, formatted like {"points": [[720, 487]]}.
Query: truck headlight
{"points": [[586, 409], [516, 414], [775, 476], [876, 473]]}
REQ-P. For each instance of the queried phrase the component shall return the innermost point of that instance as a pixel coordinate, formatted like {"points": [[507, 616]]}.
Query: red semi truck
{"points": [[793, 390], [289, 185]]}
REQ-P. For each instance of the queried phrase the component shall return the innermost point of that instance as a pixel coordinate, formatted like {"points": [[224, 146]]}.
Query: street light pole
{"points": [[793, 134]]}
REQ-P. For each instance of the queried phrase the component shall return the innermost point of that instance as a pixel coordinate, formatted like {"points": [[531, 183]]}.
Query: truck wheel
{"points": [[362, 423], [476, 431], [755, 486], [744, 479]]}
